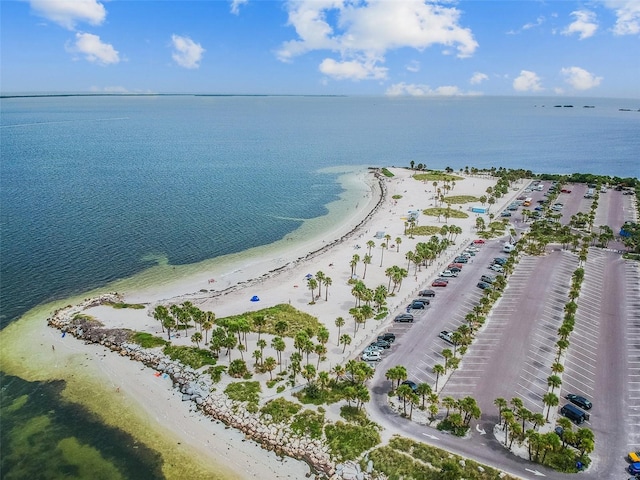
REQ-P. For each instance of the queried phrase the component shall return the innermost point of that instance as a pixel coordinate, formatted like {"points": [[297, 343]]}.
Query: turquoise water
{"points": [[94, 189]]}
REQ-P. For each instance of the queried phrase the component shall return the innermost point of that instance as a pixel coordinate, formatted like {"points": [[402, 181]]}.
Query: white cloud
{"points": [[477, 78], [93, 49], [235, 6], [364, 31], [527, 82], [67, 13], [413, 66], [417, 90], [186, 52], [580, 79], [584, 24], [628, 16], [353, 70]]}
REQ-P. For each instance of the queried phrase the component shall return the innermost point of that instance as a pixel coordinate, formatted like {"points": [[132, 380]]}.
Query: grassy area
{"points": [[439, 211], [386, 172], [281, 410], [314, 395], [423, 230], [190, 356], [459, 199], [83, 317], [296, 320], [244, 392], [405, 458], [308, 423], [397, 196], [436, 177], [146, 340], [134, 306], [348, 441]]}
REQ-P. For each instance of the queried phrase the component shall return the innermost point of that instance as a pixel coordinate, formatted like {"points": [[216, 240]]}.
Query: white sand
{"points": [[162, 407]]}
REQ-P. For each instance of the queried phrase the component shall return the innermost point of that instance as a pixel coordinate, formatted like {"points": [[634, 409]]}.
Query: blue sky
{"points": [[325, 47]]}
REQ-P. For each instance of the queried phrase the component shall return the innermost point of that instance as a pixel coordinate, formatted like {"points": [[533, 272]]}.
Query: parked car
{"points": [[500, 260], [415, 306], [370, 349], [387, 337], [505, 214], [448, 273], [565, 190], [413, 385], [487, 279], [634, 468], [461, 260], [478, 241], [426, 293], [380, 343], [634, 457], [483, 285], [454, 269], [446, 336], [580, 401], [404, 318], [371, 357], [469, 253], [425, 301], [497, 268], [573, 413], [439, 283], [455, 265]]}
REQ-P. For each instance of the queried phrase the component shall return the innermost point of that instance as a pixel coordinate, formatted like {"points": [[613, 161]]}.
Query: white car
{"points": [[371, 357], [497, 268], [448, 273], [373, 348]]}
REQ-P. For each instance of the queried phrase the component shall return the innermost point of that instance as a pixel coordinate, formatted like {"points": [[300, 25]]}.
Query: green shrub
{"points": [[281, 410], [134, 306], [396, 465], [238, 368], [244, 391], [280, 389], [308, 423], [216, 372], [348, 441], [355, 415], [386, 172], [146, 340], [191, 356]]}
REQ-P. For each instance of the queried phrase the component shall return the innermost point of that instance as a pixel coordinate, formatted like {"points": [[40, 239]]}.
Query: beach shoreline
{"points": [[278, 280]]}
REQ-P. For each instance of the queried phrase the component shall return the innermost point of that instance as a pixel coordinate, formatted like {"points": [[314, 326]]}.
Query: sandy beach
{"points": [[133, 398]]}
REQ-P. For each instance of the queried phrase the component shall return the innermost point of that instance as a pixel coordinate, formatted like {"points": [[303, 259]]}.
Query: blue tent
{"points": [[255, 298]]}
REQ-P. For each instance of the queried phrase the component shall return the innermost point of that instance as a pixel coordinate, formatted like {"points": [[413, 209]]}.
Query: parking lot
{"points": [[513, 352]]}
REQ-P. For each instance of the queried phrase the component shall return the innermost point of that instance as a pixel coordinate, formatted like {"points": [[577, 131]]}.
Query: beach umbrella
{"points": [[308, 276], [255, 298]]}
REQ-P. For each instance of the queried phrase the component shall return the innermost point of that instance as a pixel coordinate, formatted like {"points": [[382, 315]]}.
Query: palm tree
{"points": [[309, 373], [370, 245], [448, 355], [345, 340], [423, 389], [281, 327], [327, 284], [551, 400], [270, 365], [258, 323], [382, 247], [320, 350], [438, 369], [554, 381], [404, 392], [367, 261], [501, 403], [354, 263], [398, 242], [277, 343], [338, 370], [312, 283], [320, 278], [339, 323], [196, 338]]}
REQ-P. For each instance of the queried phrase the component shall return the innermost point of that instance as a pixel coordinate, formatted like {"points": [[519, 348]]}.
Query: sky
{"points": [[560, 48]]}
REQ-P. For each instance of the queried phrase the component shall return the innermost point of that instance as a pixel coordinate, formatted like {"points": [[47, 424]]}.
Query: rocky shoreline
{"points": [[197, 388]]}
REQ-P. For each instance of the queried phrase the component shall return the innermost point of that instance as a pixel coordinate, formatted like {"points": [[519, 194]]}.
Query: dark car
{"points": [[387, 337], [454, 269], [426, 293], [505, 214], [634, 468], [380, 343], [425, 301], [461, 260], [487, 279], [439, 283], [416, 306], [404, 317], [413, 385], [500, 260], [580, 401], [483, 285]]}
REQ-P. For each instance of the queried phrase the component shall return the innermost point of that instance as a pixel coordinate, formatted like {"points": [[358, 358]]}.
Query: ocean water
{"points": [[99, 188]]}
